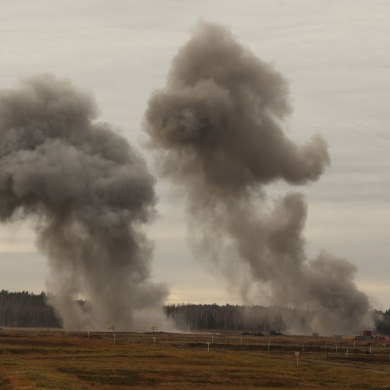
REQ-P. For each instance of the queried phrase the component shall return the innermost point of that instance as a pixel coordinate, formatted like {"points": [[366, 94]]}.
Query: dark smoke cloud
{"points": [[89, 193], [216, 130]]}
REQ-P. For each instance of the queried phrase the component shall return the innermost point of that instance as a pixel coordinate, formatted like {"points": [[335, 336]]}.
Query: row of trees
{"points": [[253, 318], [26, 309], [382, 322], [235, 317]]}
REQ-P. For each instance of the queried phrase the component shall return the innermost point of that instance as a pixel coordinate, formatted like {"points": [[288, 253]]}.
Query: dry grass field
{"points": [[55, 360]]}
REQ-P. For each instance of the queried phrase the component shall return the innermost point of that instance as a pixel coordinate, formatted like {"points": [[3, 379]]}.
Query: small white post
{"points": [[154, 341], [114, 337], [346, 353], [208, 346]]}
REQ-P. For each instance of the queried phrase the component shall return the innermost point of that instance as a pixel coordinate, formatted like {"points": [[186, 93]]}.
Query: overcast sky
{"points": [[336, 57]]}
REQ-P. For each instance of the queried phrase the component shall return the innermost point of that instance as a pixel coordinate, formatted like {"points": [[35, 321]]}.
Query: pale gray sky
{"points": [[336, 57]]}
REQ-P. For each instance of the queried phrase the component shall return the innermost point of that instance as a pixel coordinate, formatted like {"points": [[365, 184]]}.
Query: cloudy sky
{"points": [[335, 55]]}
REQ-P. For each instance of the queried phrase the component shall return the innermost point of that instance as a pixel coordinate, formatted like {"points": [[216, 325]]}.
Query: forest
{"points": [[236, 317], [25, 309]]}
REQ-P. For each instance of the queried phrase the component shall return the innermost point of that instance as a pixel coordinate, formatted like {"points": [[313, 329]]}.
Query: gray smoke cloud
{"points": [[89, 194], [215, 129]]}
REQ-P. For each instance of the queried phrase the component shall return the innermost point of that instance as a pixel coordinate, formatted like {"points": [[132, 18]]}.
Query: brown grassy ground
{"points": [[55, 360]]}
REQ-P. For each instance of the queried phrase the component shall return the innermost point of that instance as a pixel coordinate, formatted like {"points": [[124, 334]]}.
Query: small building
{"points": [[366, 333], [347, 337], [364, 338]]}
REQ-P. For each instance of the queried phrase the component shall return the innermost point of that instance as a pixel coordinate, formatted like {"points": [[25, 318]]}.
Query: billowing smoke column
{"points": [[215, 129], [88, 193]]}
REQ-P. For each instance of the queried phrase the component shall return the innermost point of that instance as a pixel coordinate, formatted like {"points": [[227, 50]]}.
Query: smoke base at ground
{"points": [[89, 194]]}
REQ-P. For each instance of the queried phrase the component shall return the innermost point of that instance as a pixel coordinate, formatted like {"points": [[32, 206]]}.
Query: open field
{"points": [[55, 360]]}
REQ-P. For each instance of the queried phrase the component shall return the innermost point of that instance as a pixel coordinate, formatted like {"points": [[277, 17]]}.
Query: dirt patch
{"points": [[112, 377], [5, 383]]}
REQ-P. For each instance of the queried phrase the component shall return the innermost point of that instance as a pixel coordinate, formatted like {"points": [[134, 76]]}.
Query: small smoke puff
{"points": [[90, 193], [215, 129]]}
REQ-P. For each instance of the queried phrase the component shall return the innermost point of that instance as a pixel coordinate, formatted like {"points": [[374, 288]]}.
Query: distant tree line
{"points": [[382, 322], [235, 317], [24, 309], [253, 318]]}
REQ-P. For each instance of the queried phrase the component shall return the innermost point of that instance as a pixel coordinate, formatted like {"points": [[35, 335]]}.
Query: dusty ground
{"points": [[55, 360]]}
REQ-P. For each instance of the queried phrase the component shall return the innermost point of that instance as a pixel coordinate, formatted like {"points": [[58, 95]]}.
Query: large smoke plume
{"points": [[88, 193], [216, 130]]}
